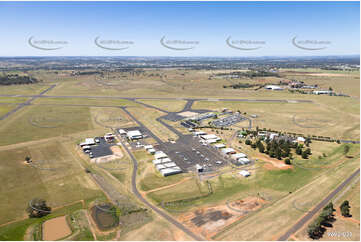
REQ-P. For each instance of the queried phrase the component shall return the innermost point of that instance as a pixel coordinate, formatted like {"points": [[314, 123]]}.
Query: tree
{"points": [[28, 159], [261, 147], [345, 209], [299, 151], [304, 155], [248, 142], [37, 208], [279, 153], [287, 161], [308, 151]]}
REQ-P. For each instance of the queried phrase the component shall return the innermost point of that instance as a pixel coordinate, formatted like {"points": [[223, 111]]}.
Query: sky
{"points": [[187, 28]]}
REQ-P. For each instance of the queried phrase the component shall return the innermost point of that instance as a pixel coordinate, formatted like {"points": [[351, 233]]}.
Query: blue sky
{"points": [[273, 24]]}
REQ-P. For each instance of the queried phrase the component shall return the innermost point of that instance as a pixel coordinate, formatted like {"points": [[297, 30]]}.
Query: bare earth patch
{"points": [[117, 154], [56, 228], [273, 163], [209, 221]]}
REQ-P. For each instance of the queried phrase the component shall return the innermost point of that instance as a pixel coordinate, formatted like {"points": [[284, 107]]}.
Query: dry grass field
{"points": [[53, 175], [49, 129]]}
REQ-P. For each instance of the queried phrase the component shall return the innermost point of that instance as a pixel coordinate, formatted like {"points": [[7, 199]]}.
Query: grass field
{"points": [[148, 117], [6, 108], [85, 101], [168, 105], [53, 176], [282, 214], [12, 99], [40, 122], [305, 118]]}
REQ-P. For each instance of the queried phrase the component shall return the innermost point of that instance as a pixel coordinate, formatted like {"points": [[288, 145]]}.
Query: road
{"points": [[319, 206], [154, 208], [28, 102]]}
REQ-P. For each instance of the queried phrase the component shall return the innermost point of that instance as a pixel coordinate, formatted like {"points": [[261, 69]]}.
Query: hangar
{"points": [[228, 151], [134, 134], [238, 156], [170, 171], [210, 136]]}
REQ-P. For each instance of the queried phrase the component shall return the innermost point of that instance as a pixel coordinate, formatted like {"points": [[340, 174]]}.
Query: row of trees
{"points": [[316, 229], [279, 149]]}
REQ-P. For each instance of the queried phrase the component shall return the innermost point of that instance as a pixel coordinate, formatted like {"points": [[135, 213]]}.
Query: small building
{"points": [[272, 135], [199, 168], [148, 147], [122, 132], [160, 154], [170, 171], [169, 165], [228, 151], [134, 134], [210, 136], [86, 147], [244, 173], [273, 87], [301, 139], [199, 133], [211, 141], [219, 146], [165, 160], [238, 155], [160, 167], [322, 92], [243, 161], [109, 137], [151, 151], [156, 162], [88, 141]]}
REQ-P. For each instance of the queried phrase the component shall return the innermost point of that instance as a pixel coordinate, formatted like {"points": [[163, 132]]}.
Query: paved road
{"points": [[26, 103], [155, 209], [319, 206]]}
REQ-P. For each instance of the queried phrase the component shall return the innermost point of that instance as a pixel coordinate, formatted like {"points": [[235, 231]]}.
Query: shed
{"points": [[238, 155], [245, 173], [228, 151]]}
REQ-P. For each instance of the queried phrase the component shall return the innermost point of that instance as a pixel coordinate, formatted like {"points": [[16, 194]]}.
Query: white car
{"points": [[97, 140]]}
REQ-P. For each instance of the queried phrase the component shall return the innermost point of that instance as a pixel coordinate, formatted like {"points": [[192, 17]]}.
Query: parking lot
{"points": [[100, 149], [190, 151], [228, 121]]}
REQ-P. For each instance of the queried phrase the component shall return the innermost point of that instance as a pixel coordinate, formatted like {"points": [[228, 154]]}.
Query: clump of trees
{"points": [[345, 209], [15, 79], [316, 229], [279, 148], [38, 208]]}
